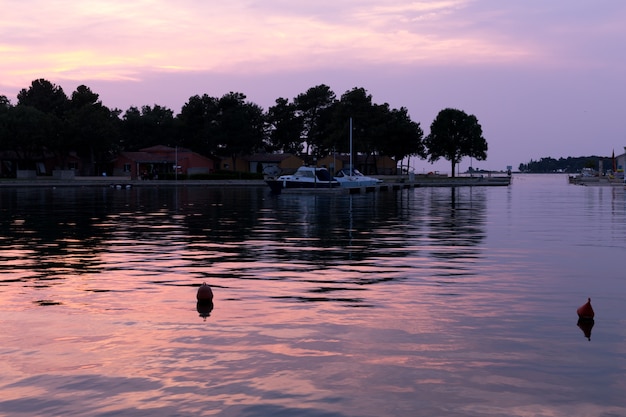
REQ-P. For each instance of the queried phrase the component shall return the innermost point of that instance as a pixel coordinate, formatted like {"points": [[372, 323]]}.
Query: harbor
{"points": [[387, 183], [394, 182]]}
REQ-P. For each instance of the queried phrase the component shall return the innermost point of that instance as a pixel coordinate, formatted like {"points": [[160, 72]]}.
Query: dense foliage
{"points": [[312, 125], [569, 164], [453, 135]]}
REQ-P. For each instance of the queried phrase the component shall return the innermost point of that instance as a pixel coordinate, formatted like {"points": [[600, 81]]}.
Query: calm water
{"points": [[420, 302]]}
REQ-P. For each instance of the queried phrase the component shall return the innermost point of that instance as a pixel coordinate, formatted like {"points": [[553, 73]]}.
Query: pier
{"points": [[397, 183]]}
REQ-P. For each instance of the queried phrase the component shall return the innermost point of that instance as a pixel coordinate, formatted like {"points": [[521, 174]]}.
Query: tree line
{"points": [[314, 124], [568, 165]]}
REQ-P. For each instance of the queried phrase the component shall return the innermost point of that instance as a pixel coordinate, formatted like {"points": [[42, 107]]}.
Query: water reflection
{"points": [[456, 222], [416, 302], [68, 230], [333, 246], [586, 325], [50, 230], [204, 308]]}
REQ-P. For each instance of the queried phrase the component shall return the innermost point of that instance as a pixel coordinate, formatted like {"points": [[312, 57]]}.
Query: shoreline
{"points": [[125, 182], [121, 181]]}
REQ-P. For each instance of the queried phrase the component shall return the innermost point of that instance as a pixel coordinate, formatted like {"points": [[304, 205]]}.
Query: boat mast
{"points": [[351, 166]]}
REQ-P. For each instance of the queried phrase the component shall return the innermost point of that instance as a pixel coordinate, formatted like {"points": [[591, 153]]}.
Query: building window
{"points": [[126, 167]]}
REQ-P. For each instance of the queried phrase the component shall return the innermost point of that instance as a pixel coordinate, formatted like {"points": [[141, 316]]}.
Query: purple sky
{"points": [[544, 78]]}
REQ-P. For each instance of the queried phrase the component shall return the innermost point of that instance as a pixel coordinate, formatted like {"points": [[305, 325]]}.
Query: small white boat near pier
{"points": [[306, 178], [353, 178]]}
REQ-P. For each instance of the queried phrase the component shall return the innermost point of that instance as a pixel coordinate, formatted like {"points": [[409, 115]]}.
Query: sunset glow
{"points": [[423, 55], [110, 40]]}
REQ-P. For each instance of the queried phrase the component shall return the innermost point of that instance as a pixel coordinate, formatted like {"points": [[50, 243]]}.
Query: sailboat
{"points": [[351, 177]]}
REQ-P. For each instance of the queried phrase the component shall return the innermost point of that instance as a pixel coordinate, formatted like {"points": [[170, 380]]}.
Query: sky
{"points": [[544, 78]]}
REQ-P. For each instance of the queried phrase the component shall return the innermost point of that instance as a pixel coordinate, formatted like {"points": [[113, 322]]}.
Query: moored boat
{"points": [[352, 178], [304, 178]]}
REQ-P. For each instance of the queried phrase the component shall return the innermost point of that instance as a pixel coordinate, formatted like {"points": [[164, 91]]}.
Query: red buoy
{"points": [[585, 312], [204, 293]]}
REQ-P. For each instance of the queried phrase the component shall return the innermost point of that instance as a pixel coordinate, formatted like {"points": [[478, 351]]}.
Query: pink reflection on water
{"points": [[422, 320]]}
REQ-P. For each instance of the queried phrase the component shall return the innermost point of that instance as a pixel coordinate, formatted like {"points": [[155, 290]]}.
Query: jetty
{"points": [[462, 181], [604, 180], [395, 182], [388, 183]]}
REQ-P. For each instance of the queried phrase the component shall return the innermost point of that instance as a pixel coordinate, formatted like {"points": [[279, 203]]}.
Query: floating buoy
{"points": [[585, 311], [205, 300], [204, 293]]}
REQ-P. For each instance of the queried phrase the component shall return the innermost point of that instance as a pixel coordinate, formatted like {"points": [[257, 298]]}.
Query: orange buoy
{"points": [[585, 312], [204, 293]]}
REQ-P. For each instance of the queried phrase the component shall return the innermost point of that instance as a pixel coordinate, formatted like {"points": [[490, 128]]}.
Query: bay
{"points": [[423, 301]]}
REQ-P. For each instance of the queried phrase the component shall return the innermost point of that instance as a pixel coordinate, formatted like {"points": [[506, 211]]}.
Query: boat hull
{"points": [[354, 179], [277, 186], [307, 178], [359, 183]]}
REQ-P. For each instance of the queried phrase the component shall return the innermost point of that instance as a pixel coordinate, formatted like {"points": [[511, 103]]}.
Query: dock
{"points": [[475, 181], [596, 180], [394, 183], [389, 183]]}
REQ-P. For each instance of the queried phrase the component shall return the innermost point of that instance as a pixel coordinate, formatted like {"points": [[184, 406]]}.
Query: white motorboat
{"points": [[353, 178], [305, 178]]}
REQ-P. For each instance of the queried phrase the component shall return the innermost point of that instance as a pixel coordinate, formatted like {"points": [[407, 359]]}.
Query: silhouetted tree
{"points": [[92, 130], [50, 100], [402, 137], [5, 106], [453, 135], [46, 120], [240, 126], [25, 130], [355, 104], [377, 129], [148, 127], [5, 103], [285, 127], [313, 106], [44, 96], [570, 164], [198, 124]]}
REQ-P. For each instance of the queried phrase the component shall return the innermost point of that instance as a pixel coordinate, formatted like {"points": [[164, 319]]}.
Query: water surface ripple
{"points": [[425, 301]]}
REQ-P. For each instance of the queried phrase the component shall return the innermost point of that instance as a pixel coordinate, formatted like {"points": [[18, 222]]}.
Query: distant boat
{"points": [[304, 178]]}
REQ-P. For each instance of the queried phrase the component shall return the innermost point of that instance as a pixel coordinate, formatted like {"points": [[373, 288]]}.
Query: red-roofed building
{"points": [[149, 163]]}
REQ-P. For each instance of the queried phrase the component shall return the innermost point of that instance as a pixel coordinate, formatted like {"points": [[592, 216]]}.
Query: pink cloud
{"points": [[546, 73]]}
